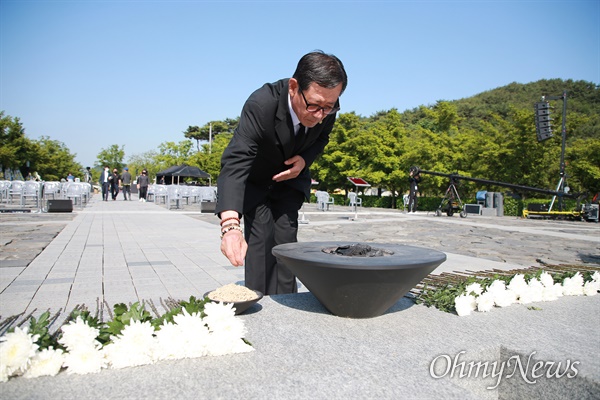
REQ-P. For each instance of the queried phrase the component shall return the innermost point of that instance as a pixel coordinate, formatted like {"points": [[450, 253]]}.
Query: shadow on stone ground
{"points": [[25, 235]]}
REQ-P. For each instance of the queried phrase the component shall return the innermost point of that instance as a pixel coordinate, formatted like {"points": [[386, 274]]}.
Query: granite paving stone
{"points": [[130, 251]]}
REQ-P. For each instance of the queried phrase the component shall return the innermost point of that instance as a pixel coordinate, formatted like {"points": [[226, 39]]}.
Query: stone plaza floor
{"points": [[128, 251]]}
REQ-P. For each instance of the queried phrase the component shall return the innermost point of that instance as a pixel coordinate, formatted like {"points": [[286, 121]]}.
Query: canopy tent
{"points": [[181, 171]]}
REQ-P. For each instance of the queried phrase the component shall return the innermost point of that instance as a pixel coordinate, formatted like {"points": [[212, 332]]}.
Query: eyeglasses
{"points": [[313, 108]]}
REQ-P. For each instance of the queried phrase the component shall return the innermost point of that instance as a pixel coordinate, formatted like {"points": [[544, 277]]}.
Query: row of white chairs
{"points": [[175, 195], [38, 192]]}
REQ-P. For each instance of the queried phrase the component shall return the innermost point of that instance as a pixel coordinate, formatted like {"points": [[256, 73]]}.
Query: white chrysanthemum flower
{"points": [[497, 286], [17, 349], [3, 373], [189, 321], [577, 279], [231, 329], [505, 298], [596, 276], [192, 333], [464, 304], [550, 294], [239, 346], [572, 286], [526, 295], [536, 290], [485, 302], [221, 319], [134, 346], [169, 345], [546, 279], [558, 290], [591, 288], [84, 360], [221, 345], [47, 362], [518, 285], [216, 312], [474, 287], [78, 334]]}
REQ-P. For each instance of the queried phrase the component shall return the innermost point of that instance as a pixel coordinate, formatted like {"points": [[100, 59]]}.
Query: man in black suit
{"points": [[265, 175], [105, 183]]}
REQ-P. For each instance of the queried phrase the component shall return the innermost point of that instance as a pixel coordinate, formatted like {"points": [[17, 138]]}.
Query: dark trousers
{"points": [[127, 192], [412, 199], [143, 192], [114, 191], [271, 223], [105, 189]]}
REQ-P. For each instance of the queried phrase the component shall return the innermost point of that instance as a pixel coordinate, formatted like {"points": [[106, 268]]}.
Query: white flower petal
{"points": [[485, 302], [47, 362], [16, 350], [464, 304]]}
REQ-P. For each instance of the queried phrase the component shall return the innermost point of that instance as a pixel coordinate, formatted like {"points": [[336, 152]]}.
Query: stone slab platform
{"points": [[130, 251]]}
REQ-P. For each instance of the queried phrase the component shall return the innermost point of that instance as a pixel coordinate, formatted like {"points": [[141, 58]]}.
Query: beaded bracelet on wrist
{"points": [[229, 219], [232, 227], [230, 224]]}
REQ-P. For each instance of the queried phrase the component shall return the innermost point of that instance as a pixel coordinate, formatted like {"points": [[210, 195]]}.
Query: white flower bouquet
{"points": [[84, 345], [472, 294]]}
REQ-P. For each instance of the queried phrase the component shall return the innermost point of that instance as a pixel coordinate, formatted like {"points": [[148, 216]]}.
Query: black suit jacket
{"points": [[263, 140], [104, 174]]}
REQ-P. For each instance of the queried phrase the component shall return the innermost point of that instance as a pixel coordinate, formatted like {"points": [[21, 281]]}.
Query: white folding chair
{"points": [[31, 190], [354, 199], [16, 190]]}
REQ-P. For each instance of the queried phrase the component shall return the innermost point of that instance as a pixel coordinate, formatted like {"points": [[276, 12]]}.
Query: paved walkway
{"points": [[128, 251], [121, 251]]}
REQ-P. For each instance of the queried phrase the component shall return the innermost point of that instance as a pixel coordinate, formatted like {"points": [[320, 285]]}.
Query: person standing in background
{"points": [[142, 185], [115, 181], [126, 182], [105, 183], [414, 178], [88, 175]]}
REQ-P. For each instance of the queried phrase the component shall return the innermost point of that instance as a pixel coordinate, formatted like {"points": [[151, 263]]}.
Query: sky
{"points": [[92, 74]]}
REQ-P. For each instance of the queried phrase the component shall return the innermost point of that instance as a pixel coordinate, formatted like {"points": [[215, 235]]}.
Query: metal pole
{"points": [[560, 188], [210, 138], [562, 151], [504, 184]]}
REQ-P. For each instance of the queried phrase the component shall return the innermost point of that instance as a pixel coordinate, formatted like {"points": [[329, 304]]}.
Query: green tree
{"points": [[53, 161], [112, 157], [215, 128], [380, 150], [193, 132], [14, 146], [583, 165], [147, 160], [171, 153], [338, 160], [210, 161]]}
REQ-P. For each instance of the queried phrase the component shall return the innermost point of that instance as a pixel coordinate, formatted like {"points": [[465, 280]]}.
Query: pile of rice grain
{"points": [[232, 293]]}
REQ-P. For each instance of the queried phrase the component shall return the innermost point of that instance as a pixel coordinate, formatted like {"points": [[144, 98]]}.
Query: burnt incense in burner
{"points": [[358, 280]]}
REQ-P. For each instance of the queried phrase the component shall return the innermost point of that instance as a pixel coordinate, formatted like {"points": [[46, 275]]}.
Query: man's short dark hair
{"points": [[326, 70]]}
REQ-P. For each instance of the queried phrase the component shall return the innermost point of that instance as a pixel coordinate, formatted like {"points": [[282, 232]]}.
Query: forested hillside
{"points": [[491, 135]]}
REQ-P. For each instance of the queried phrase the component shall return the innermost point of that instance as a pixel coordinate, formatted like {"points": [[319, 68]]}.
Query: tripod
{"points": [[451, 201]]}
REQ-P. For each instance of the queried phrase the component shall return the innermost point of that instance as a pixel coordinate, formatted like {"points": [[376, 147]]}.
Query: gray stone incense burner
{"points": [[358, 280]]}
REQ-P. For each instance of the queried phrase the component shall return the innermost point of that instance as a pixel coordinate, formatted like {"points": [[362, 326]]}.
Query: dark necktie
{"points": [[300, 137]]}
